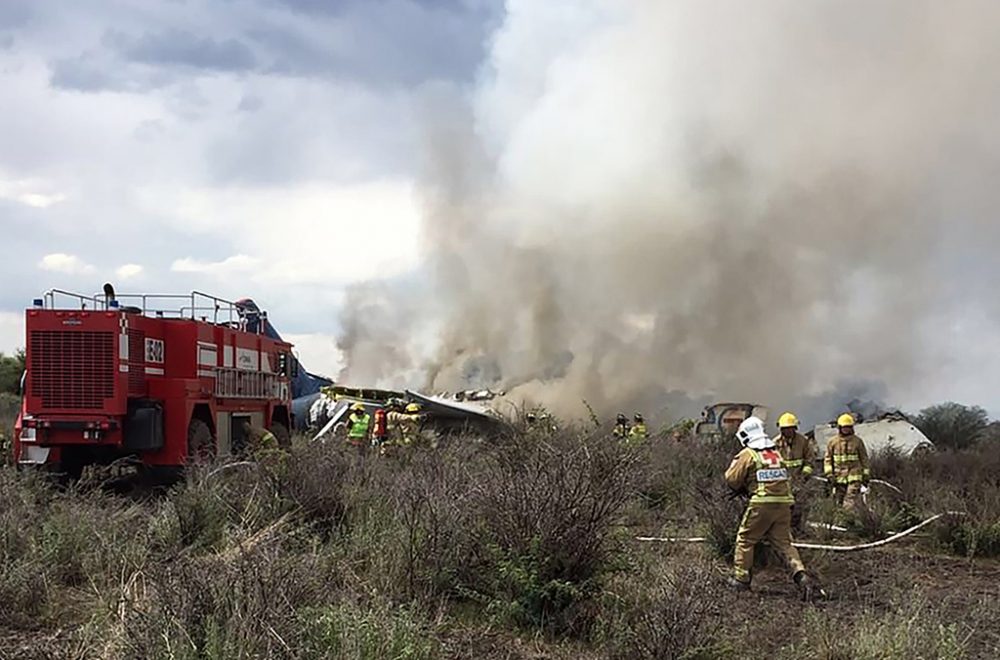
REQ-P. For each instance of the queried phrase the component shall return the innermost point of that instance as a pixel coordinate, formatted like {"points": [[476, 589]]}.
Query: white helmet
{"points": [[752, 434]]}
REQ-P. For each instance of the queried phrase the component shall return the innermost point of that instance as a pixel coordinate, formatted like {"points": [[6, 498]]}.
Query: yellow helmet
{"points": [[845, 420], [787, 421], [413, 408], [358, 407]]}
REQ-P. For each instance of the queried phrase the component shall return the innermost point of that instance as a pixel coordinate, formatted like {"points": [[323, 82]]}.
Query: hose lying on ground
{"points": [[829, 528], [880, 482], [817, 546], [875, 544], [886, 484]]}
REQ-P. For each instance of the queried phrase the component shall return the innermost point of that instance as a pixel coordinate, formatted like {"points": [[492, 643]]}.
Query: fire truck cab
{"points": [[166, 380]]}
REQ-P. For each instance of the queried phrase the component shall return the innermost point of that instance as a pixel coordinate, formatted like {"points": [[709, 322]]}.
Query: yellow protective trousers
{"points": [[772, 522], [849, 495]]}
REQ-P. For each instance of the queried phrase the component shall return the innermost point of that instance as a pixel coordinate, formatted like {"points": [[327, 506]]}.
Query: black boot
{"points": [[737, 585], [808, 586]]}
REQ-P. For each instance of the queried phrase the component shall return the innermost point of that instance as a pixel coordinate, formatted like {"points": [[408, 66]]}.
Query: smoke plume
{"points": [[648, 203]]}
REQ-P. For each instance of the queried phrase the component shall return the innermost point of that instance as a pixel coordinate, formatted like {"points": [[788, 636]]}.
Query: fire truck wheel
{"points": [[283, 436], [201, 444]]}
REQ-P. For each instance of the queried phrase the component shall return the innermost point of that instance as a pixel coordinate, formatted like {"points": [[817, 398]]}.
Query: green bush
{"points": [[201, 515], [11, 368], [541, 531], [952, 425]]}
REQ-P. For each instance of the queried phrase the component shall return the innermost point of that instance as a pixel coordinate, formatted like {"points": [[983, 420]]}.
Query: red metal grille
{"points": [[73, 369], [137, 362]]}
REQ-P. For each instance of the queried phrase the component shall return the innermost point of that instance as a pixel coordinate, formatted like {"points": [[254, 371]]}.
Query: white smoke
{"points": [[753, 200]]}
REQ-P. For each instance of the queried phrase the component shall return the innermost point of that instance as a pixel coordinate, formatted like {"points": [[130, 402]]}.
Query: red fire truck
{"points": [[163, 379]]}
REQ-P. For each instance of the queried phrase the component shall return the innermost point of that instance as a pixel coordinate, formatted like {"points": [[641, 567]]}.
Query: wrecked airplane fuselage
{"points": [[721, 420]]}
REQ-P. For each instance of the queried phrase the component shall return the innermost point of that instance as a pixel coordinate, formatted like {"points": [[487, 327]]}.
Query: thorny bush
{"points": [[665, 610], [525, 527]]}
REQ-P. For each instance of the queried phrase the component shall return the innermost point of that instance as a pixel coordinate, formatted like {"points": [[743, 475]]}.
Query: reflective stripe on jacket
{"points": [[359, 425], [798, 453], [762, 475], [846, 460]]}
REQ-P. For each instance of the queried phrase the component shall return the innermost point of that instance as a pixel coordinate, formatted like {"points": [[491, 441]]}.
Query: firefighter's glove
{"points": [[738, 492]]}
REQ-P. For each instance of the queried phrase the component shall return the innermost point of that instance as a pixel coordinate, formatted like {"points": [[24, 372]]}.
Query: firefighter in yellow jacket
{"points": [[261, 444], [758, 472], [639, 433], [797, 452], [846, 463], [797, 456]]}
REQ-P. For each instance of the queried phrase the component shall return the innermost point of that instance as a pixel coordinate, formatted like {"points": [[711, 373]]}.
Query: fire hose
{"points": [[825, 547], [816, 546]]}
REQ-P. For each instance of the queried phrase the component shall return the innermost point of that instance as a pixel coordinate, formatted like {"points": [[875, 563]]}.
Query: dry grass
{"points": [[519, 547]]}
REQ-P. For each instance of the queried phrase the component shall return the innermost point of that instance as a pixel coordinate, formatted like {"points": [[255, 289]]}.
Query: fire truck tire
{"points": [[201, 444], [283, 436]]}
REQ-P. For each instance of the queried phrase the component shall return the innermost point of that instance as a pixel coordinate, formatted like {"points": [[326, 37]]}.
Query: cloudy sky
{"points": [[575, 159], [261, 147]]}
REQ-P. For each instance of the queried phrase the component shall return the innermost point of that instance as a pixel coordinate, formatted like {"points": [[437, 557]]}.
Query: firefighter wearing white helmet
{"points": [[846, 463], [758, 472]]}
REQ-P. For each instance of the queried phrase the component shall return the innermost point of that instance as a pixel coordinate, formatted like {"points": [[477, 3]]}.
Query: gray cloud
{"points": [[385, 43], [177, 47], [92, 72], [203, 111], [15, 14], [250, 103], [388, 42]]}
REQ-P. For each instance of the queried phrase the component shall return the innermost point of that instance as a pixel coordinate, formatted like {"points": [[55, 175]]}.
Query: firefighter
{"points": [[638, 433], [797, 452], [261, 444], [797, 455], [395, 419], [846, 464], [756, 471], [358, 426], [411, 423], [621, 427]]}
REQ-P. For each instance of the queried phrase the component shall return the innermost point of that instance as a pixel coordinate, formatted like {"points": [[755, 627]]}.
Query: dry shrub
{"points": [[525, 526], [677, 476], [324, 480], [53, 540], [967, 481], [430, 500], [666, 611], [543, 513], [212, 607], [347, 631], [913, 630], [24, 593]]}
